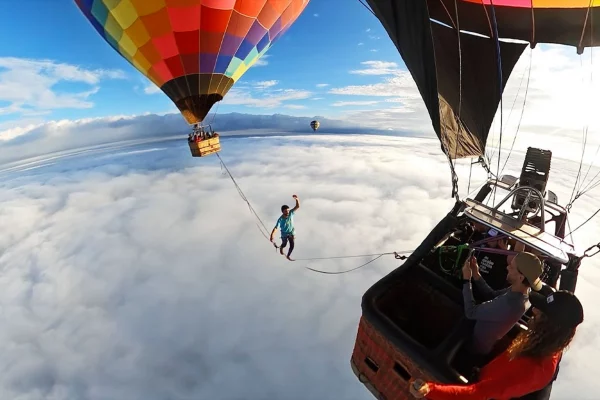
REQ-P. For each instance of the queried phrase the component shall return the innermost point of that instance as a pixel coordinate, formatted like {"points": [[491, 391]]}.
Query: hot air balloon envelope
{"points": [[193, 50]]}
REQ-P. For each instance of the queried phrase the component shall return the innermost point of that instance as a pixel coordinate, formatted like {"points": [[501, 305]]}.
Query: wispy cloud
{"points": [[361, 44], [377, 68], [265, 84], [152, 89], [321, 85], [315, 15], [264, 99], [354, 103], [401, 84], [28, 86], [262, 61]]}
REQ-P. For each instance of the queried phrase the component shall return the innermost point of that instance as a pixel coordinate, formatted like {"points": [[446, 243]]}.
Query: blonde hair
{"points": [[544, 338]]}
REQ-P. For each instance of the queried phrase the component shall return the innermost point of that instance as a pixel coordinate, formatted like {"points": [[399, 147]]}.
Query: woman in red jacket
{"points": [[529, 362]]}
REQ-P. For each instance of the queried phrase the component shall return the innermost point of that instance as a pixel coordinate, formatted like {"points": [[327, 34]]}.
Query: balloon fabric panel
{"points": [[194, 50]]}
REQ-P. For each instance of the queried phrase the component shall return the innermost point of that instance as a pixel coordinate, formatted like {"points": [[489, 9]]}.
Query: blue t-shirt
{"points": [[286, 225]]}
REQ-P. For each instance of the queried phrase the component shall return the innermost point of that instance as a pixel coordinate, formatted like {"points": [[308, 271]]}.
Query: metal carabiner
{"points": [[588, 252]]}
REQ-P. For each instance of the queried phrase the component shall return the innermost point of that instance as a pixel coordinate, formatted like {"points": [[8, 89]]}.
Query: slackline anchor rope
{"points": [[398, 255]]}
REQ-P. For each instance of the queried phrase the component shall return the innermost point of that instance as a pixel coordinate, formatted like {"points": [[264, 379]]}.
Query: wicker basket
{"points": [[205, 147]]}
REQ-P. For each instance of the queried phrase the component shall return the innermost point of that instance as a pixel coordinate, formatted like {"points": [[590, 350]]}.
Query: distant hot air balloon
{"points": [[193, 50], [315, 125]]}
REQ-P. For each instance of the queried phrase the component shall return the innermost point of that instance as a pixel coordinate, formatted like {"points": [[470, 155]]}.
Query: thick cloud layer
{"points": [[139, 272]]}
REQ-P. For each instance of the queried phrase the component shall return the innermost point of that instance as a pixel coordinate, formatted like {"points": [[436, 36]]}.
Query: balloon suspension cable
{"points": [[453, 165], [398, 255], [215, 113], [584, 188], [500, 79], [522, 108], [470, 170], [367, 7], [486, 167]]}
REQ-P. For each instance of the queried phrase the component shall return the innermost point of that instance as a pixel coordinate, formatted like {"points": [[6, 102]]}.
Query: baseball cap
{"points": [[561, 307], [531, 267]]}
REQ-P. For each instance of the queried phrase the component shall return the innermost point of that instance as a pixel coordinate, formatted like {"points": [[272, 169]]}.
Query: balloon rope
{"points": [[499, 65]]}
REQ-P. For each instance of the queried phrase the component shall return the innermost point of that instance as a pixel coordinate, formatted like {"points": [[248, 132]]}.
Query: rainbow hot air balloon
{"points": [[193, 50]]}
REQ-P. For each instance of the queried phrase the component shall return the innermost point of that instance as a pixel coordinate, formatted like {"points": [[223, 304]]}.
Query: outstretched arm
{"points": [[297, 203]]}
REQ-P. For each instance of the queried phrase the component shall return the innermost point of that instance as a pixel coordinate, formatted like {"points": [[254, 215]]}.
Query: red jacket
{"points": [[501, 379]]}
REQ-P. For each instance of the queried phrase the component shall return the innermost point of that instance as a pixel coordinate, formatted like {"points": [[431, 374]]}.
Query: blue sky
{"points": [[336, 62], [330, 39]]}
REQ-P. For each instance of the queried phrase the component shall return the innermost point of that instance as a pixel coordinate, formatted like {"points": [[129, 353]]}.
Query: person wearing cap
{"points": [[530, 361], [495, 317]]}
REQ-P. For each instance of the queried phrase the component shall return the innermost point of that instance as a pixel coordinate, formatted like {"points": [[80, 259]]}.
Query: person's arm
{"points": [[518, 378], [297, 203], [486, 291], [486, 311], [274, 229]]}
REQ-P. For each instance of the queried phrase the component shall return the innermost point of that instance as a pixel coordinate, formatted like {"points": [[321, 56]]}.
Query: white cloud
{"points": [[266, 84], [116, 283], [28, 86], [268, 99], [295, 106], [368, 30], [315, 15], [354, 103], [361, 44], [407, 118], [375, 67], [152, 89], [400, 84], [322, 85], [374, 50], [262, 61]]}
